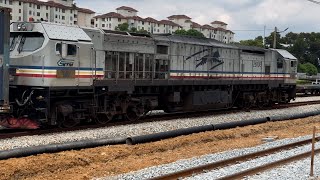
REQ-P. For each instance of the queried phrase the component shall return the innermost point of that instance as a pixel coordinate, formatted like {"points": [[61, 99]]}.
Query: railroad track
{"points": [[236, 160], [5, 134]]}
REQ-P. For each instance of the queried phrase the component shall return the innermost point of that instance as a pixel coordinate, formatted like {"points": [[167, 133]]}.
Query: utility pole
{"points": [[275, 38], [264, 35], [4, 60]]}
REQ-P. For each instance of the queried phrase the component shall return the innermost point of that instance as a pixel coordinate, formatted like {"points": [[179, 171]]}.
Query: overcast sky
{"points": [[246, 18]]}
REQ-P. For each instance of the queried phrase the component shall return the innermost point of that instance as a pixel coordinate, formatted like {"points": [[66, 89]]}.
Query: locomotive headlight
{"points": [[19, 26], [22, 27]]}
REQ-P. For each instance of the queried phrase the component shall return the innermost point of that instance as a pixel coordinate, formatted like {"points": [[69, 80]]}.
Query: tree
{"points": [[123, 27], [308, 68], [133, 29], [190, 32], [270, 39], [195, 33], [258, 42], [181, 32], [142, 31]]}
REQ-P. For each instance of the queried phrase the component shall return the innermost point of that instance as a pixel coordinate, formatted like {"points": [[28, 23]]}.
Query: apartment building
{"points": [[57, 11], [109, 21], [124, 14]]}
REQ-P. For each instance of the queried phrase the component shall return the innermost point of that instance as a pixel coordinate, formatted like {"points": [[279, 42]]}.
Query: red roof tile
{"points": [[137, 18], [221, 29], [149, 19], [219, 22], [206, 26], [170, 23], [179, 17], [57, 5], [84, 10], [110, 15], [195, 25], [126, 8]]}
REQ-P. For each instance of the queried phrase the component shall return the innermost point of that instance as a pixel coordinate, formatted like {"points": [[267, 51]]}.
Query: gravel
{"points": [[144, 128], [306, 99], [298, 170]]}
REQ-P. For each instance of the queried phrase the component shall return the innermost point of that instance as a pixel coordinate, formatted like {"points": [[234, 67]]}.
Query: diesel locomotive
{"points": [[63, 75]]}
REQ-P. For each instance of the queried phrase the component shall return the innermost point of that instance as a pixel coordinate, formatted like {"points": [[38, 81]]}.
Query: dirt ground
{"points": [[113, 160]]}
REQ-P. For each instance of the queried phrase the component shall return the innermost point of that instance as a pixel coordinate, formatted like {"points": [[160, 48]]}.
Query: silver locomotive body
{"points": [[67, 74]]}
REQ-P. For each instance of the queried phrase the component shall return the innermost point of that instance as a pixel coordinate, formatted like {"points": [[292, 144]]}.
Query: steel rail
{"points": [[5, 134], [268, 166], [227, 162]]}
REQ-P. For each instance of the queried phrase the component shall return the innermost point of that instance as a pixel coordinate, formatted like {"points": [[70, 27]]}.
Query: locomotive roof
{"points": [[285, 54], [250, 48], [65, 32], [192, 40]]}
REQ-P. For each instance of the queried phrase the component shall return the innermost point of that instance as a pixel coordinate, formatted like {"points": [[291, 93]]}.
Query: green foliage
{"points": [[304, 46], [143, 31], [270, 39], [258, 42], [303, 82], [308, 68], [133, 29], [190, 32], [123, 27]]}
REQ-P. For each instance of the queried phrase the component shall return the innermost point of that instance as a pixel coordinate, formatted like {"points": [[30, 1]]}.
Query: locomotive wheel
{"points": [[103, 118], [133, 114], [68, 122]]}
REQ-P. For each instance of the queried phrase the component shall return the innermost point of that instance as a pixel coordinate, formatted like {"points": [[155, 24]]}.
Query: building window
{"points": [[110, 25], [56, 9], [19, 10], [30, 5], [71, 11], [63, 10], [119, 20], [47, 15], [19, 3], [103, 19], [96, 25], [103, 25], [62, 17], [71, 18], [56, 16], [30, 12], [10, 2], [38, 6], [20, 18], [38, 13]]}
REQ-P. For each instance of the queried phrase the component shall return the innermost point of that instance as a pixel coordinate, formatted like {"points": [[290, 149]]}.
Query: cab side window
{"points": [[72, 50], [58, 48]]}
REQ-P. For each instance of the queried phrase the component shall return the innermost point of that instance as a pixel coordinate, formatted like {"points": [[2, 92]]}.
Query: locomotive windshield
{"points": [[26, 41]]}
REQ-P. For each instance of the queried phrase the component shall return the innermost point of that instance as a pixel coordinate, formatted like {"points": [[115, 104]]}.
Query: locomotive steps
{"points": [[53, 148]]}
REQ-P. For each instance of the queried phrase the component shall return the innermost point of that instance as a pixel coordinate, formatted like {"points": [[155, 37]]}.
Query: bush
{"points": [[308, 68]]}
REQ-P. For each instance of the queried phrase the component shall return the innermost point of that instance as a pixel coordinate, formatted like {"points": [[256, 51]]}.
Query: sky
{"points": [[247, 18]]}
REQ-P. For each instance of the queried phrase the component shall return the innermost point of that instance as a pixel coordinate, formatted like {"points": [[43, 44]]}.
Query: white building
{"points": [[217, 30], [182, 20], [57, 11], [124, 14]]}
